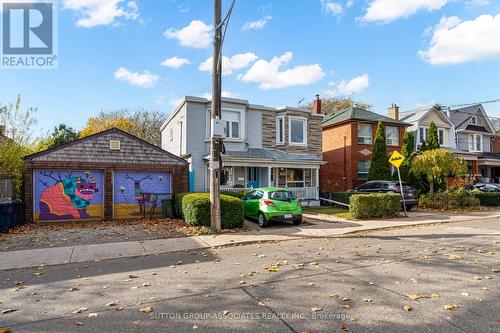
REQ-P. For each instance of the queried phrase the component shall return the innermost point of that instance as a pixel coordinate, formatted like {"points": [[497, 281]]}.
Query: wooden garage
{"points": [[108, 175]]}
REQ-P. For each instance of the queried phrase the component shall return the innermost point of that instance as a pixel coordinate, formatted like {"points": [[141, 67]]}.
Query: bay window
{"points": [[365, 134], [392, 135], [297, 130]]}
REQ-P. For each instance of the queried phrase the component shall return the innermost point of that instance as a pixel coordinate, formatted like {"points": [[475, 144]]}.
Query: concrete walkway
{"points": [[320, 226]]}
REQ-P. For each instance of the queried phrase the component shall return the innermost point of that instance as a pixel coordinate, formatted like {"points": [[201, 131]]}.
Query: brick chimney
{"points": [[317, 105], [394, 111]]}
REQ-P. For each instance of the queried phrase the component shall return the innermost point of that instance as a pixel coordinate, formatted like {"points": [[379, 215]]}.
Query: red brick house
{"points": [[348, 138]]}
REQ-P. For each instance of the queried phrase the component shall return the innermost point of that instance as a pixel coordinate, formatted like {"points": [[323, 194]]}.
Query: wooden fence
{"points": [[7, 188]]}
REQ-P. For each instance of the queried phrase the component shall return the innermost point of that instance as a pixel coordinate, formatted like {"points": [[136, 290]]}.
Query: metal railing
{"points": [[304, 193]]}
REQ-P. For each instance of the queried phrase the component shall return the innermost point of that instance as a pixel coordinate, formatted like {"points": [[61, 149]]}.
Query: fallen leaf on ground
{"points": [[344, 328], [346, 306], [146, 284], [180, 262], [80, 310], [465, 294], [243, 282], [132, 276], [146, 309], [79, 323], [119, 308], [334, 296], [414, 297], [316, 309], [8, 311], [450, 307], [273, 269], [476, 278], [37, 274], [368, 300], [226, 312], [92, 315], [5, 330], [407, 308], [113, 303], [73, 289], [195, 327], [455, 257]]}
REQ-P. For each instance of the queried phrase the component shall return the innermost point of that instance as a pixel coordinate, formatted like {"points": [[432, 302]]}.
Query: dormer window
{"points": [[473, 120]]}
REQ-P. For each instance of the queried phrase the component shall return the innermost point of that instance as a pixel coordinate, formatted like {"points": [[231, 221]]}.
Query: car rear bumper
{"points": [[410, 202], [282, 218]]}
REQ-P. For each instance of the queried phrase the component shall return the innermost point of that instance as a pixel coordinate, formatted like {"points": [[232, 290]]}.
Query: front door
{"points": [[253, 177]]}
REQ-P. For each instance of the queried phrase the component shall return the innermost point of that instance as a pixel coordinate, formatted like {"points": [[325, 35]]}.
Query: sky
{"points": [[116, 54]]}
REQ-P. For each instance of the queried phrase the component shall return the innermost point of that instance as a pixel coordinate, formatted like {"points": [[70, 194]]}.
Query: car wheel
{"points": [[297, 221], [263, 223]]}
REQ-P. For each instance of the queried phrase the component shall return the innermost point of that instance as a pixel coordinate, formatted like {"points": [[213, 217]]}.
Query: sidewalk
{"points": [[322, 226]]}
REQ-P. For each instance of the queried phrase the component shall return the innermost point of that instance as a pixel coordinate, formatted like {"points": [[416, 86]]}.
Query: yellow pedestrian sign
{"points": [[396, 159]]}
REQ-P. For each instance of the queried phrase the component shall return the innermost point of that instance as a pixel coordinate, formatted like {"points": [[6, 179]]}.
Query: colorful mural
{"points": [[140, 193], [64, 195]]}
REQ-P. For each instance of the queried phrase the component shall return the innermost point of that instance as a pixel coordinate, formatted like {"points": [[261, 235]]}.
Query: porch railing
{"points": [[304, 193]]}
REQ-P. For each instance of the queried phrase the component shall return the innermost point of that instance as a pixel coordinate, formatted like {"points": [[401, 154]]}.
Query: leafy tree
{"points": [[141, 123], [437, 165], [379, 168], [423, 146], [335, 104], [17, 141], [407, 150], [432, 137], [61, 135]]}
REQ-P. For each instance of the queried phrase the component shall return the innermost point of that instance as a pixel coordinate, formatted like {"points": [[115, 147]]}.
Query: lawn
{"points": [[332, 211]]}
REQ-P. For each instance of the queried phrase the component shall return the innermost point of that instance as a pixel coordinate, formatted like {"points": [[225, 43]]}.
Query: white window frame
{"points": [[242, 125], [441, 130], [365, 137], [304, 129], [387, 138], [473, 141], [280, 131], [367, 171]]}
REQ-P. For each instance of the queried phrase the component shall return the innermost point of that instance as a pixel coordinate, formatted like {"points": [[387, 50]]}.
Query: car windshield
{"points": [[282, 195]]}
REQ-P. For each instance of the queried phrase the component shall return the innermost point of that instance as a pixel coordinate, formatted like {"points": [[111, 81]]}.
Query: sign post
{"points": [[397, 159]]}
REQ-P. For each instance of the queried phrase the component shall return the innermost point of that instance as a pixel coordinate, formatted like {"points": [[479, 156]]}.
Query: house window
{"points": [[392, 135], [475, 142], [280, 130], [363, 167], [365, 134], [226, 177], [295, 178], [297, 131], [422, 135], [441, 136], [171, 134], [232, 128], [473, 120]]}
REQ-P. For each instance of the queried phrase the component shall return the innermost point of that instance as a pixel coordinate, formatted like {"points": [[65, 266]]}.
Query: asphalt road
{"points": [[430, 279]]}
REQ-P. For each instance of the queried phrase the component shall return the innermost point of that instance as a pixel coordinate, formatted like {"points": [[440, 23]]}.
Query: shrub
{"points": [[454, 199], [488, 199], [240, 194], [196, 210], [178, 204], [364, 206]]}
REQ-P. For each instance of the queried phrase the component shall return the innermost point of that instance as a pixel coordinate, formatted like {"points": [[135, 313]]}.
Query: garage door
{"points": [[138, 194], [68, 195]]}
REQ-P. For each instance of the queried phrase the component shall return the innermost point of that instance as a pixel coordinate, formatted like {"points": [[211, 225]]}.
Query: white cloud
{"points": [[197, 34], [268, 75], [175, 62], [391, 10], [348, 88], [238, 61], [224, 93], [349, 3], [256, 25], [478, 3], [144, 80], [92, 13], [333, 8], [455, 41]]}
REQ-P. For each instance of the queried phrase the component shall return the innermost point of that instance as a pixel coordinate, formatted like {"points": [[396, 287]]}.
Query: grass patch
{"points": [[332, 211]]}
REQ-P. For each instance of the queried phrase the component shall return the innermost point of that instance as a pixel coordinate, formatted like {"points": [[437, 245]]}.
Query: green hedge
{"points": [[178, 204], [455, 199], [488, 199], [196, 210], [240, 194], [365, 206]]}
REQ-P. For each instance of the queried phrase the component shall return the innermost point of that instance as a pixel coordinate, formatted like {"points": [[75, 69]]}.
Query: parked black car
{"points": [[487, 187], [388, 186]]}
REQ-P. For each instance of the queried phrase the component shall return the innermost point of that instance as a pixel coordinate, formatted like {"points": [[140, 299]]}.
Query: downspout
{"points": [[345, 163]]}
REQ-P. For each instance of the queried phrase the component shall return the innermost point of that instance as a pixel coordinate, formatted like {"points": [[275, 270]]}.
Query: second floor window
{"points": [[297, 131], [365, 134], [232, 124], [392, 135], [475, 142], [280, 130]]}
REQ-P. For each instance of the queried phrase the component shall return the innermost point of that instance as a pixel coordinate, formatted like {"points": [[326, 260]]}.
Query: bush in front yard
{"points": [[196, 210], [488, 199], [240, 194], [454, 199], [178, 204], [365, 206]]}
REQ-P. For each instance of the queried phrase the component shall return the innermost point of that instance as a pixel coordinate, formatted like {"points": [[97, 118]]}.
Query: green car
{"points": [[272, 205]]}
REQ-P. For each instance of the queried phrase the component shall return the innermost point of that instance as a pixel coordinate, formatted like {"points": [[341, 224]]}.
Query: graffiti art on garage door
{"points": [[68, 195], [139, 193]]}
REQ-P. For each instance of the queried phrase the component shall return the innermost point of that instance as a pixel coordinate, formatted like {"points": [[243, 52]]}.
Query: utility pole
{"points": [[215, 213]]}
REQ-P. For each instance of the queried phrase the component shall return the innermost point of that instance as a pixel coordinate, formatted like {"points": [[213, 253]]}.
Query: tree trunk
{"points": [[431, 185]]}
